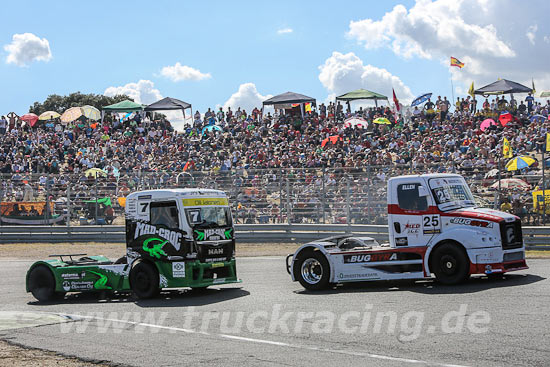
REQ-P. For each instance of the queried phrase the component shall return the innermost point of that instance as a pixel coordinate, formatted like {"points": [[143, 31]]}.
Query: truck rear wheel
{"points": [[450, 264], [42, 284], [144, 280], [312, 270]]}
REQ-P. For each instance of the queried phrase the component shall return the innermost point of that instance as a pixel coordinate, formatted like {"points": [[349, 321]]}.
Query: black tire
{"points": [[42, 284], [144, 280], [312, 270], [450, 264]]}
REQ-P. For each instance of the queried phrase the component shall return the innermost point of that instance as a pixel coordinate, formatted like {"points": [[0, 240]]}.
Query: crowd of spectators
{"points": [[250, 154]]}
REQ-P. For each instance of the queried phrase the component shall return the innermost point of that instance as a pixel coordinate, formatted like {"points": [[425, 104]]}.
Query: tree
{"points": [[58, 103]]}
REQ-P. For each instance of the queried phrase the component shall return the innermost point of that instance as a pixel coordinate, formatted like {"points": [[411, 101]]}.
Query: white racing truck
{"points": [[434, 228]]}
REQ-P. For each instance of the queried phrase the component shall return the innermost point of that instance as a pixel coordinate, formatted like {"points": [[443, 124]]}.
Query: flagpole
{"points": [[452, 88]]}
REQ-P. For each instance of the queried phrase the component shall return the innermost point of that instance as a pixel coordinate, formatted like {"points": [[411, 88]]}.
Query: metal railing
{"points": [[535, 238], [342, 195]]}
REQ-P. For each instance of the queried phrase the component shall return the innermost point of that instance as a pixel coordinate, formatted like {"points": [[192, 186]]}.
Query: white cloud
{"points": [[141, 92], [285, 31], [531, 33], [342, 73], [478, 32], [428, 27], [26, 48], [180, 72], [247, 97]]}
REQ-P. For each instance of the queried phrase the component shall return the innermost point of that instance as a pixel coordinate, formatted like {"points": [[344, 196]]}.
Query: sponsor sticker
{"points": [[70, 276], [66, 286], [81, 286], [178, 269], [205, 201], [401, 241], [472, 222], [174, 237], [365, 258], [343, 276]]}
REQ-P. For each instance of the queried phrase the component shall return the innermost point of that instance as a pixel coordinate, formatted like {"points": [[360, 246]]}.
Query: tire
{"points": [[312, 270], [450, 264], [42, 284], [144, 280]]}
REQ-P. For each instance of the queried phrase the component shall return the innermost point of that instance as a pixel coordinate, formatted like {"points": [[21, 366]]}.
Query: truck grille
{"points": [[511, 235]]}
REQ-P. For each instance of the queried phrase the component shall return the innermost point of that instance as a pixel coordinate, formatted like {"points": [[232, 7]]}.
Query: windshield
{"points": [[451, 193], [209, 216]]}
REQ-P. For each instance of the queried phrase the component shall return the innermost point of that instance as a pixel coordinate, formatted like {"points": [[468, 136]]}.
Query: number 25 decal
{"points": [[431, 221]]}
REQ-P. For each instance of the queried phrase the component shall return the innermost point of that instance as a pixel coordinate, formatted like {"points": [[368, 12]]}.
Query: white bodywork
{"points": [[425, 211]]}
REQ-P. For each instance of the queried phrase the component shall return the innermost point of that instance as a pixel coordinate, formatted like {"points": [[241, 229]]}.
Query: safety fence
{"points": [[535, 238], [341, 195]]}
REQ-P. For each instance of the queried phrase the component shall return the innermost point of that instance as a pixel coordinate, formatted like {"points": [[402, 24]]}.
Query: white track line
{"points": [[270, 342]]}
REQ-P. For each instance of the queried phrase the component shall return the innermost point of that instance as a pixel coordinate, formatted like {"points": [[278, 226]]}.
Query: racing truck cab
{"points": [[174, 238], [435, 228]]}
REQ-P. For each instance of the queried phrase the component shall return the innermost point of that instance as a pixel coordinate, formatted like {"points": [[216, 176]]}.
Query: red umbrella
{"points": [[31, 118], [333, 139], [486, 123], [505, 118]]}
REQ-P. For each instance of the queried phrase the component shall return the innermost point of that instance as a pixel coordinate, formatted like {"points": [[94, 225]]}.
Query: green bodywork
{"points": [[104, 275]]}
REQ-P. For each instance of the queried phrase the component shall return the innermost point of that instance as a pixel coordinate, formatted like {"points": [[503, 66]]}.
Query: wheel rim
{"points": [[312, 271], [448, 264]]}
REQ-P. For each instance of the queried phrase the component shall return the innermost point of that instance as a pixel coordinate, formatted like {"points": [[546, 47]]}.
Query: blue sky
{"points": [[101, 44]]}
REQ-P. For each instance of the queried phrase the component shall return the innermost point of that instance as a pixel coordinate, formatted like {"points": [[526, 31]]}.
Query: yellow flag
{"points": [[548, 142], [506, 149], [471, 90], [533, 85]]}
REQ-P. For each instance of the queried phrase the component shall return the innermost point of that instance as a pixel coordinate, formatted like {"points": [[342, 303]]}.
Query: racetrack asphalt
{"points": [[270, 321]]}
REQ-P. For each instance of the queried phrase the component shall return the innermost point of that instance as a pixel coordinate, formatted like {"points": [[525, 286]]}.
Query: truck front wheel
{"points": [[312, 270], [144, 280], [450, 264]]}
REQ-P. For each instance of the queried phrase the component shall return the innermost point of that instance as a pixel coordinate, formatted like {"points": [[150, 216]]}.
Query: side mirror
{"points": [[422, 191]]}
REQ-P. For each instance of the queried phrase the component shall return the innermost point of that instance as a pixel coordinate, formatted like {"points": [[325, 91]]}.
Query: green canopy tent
{"points": [[124, 106], [362, 94]]}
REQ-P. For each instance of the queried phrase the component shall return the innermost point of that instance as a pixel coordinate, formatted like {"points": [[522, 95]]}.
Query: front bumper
{"points": [[198, 274], [496, 268]]}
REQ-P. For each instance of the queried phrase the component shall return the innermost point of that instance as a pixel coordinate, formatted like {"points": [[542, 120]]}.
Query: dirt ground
{"points": [[16, 356]]}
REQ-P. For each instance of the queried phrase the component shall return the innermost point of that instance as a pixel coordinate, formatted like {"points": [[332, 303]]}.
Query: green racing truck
{"points": [[174, 238]]}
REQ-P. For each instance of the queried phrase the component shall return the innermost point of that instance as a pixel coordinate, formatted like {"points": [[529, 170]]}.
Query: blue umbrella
{"points": [[421, 99], [537, 118], [210, 128]]}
